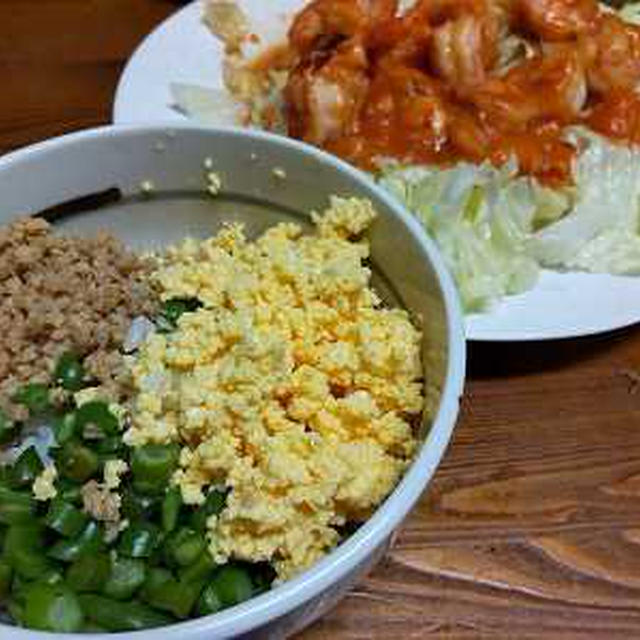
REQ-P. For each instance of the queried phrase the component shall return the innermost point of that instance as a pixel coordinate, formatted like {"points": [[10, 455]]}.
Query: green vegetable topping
{"points": [[126, 576], [89, 573], [97, 414], [232, 584], [171, 508], [89, 540], [34, 396], [152, 466], [64, 518], [52, 608], [173, 309], [69, 372], [77, 462], [26, 468], [122, 616], [139, 540]]}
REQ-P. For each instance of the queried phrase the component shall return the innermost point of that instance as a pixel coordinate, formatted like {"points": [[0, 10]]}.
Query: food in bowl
{"points": [[265, 405], [509, 128]]}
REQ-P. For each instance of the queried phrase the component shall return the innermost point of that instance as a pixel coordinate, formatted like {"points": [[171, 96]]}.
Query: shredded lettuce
{"points": [[600, 233], [483, 219], [496, 230], [205, 105]]}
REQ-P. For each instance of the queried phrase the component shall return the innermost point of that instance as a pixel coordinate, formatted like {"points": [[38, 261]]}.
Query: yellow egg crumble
{"points": [[292, 387]]}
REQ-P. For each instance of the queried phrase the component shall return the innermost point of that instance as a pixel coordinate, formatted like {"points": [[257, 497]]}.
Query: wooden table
{"points": [[531, 528]]}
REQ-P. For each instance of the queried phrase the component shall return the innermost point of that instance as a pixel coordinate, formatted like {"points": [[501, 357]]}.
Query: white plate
{"points": [[561, 305]]}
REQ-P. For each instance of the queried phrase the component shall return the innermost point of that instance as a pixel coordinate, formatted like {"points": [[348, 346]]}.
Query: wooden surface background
{"points": [[531, 528]]}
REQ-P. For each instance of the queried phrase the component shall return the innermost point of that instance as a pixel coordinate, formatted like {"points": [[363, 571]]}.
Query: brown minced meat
{"points": [[62, 293]]}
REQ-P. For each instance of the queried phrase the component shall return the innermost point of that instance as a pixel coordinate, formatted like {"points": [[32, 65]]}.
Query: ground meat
{"points": [[60, 293]]}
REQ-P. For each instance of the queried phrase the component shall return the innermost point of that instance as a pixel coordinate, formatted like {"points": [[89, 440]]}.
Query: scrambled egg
{"points": [[43, 486], [293, 386]]}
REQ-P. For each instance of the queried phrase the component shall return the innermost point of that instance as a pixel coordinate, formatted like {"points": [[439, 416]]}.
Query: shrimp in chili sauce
{"points": [[369, 81]]}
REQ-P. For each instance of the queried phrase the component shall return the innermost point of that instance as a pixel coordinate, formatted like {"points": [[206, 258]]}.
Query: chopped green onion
{"points": [[97, 414], [77, 462], [171, 508], [213, 505], [5, 580], [122, 616], [69, 372], [184, 547], [209, 601], [26, 468], [15, 507], [232, 584], [52, 608], [23, 551], [64, 518], [163, 591], [34, 396], [136, 506], [152, 466], [89, 573], [64, 427], [173, 309], [200, 570], [126, 576], [8, 429], [139, 540], [89, 540]]}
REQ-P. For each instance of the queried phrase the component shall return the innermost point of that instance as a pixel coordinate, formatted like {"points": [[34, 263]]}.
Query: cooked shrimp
{"points": [[329, 21], [326, 21], [460, 52], [552, 85], [555, 20], [321, 102], [612, 55]]}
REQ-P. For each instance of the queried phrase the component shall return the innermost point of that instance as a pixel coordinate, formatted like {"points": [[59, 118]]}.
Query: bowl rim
{"points": [[336, 565]]}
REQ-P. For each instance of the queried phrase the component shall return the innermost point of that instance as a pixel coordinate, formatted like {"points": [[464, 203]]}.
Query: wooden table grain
{"points": [[531, 528]]}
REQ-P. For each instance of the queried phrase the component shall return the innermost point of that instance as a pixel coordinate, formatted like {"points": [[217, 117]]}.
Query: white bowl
{"points": [[122, 164]]}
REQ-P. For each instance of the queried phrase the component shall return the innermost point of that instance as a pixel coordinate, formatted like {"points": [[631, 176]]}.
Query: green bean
{"points": [[139, 540], [201, 569], [213, 505], [122, 616], [23, 551], [209, 601], [89, 573], [171, 508], [26, 468], [152, 466], [64, 427], [232, 584], [126, 576], [97, 414], [69, 372], [184, 547], [15, 507], [52, 608], [64, 518], [34, 396], [88, 541], [5, 580], [77, 462]]}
